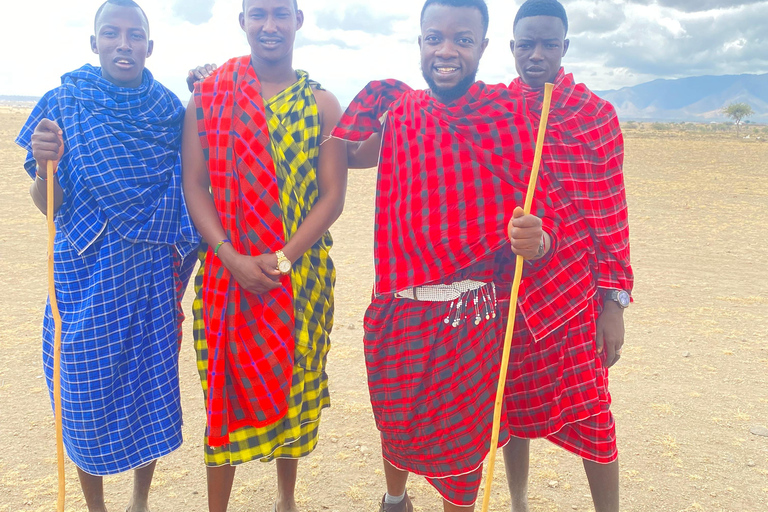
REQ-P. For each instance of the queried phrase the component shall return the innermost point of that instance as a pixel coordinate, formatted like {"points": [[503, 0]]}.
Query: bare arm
{"points": [[47, 145], [332, 181], [364, 155], [255, 274]]}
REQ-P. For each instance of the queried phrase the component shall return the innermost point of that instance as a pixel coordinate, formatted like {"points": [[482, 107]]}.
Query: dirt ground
{"points": [[688, 392]]}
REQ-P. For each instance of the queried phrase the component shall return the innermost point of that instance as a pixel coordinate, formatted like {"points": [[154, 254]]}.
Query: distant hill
{"points": [[698, 98], [19, 101]]}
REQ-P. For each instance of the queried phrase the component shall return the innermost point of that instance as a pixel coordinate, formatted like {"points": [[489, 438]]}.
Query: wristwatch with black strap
{"points": [[620, 297]]}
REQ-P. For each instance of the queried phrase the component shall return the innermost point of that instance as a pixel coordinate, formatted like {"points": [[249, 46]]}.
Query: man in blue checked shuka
{"points": [[123, 233]]}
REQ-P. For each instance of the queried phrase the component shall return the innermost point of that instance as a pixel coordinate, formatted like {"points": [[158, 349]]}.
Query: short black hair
{"points": [[542, 8], [295, 5], [480, 5], [121, 3]]}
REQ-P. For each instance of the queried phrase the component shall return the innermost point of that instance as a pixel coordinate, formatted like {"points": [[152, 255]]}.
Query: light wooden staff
{"points": [[513, 299], [57, 337]]}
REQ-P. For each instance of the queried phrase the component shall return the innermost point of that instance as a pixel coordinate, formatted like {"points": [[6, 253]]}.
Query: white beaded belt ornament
{"points": [[464, 297]]}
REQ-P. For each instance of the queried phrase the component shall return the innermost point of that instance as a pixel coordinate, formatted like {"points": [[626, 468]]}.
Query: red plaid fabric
{"points": [[593, 439], [559, 386], [583, 158], [432, 386], [450, 177], [459, 490], [250, 337]]}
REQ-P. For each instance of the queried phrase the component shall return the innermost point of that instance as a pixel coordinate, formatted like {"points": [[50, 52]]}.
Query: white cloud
{"points": [[346, 43]]}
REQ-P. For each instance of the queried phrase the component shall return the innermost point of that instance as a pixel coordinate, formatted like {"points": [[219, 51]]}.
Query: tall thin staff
{"points": [[57, 337], [513, 300]]}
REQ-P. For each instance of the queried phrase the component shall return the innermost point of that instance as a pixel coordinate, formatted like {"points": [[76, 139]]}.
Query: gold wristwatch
{"points": [[283, 263]]}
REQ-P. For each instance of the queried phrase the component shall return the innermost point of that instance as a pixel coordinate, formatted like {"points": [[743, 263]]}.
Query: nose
{"points": [[270, 25], [446, 50], [538, 53], [124, 43]]}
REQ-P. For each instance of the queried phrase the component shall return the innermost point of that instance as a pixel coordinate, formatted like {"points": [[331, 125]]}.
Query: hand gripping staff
{"points": [[57, 336], [513, 300]]}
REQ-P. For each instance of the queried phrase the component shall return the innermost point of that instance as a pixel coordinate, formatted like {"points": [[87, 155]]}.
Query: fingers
{"points": [[46, 125], [47, 144], [600, 339], [525, 234], [198, 74]]}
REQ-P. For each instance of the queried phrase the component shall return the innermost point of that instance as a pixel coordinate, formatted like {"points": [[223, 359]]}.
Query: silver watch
{"points": [[620, 297]]}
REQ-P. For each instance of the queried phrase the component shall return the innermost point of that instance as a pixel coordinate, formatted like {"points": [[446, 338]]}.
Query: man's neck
{"points": [[276, 73]]}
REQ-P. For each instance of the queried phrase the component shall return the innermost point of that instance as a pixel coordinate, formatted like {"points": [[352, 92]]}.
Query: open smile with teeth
{"points": [[270, 42], [446, 70], [125, 63]]}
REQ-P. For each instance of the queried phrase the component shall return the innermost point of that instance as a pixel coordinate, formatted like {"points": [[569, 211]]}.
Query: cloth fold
{"points": [[584, 154], [250, 337], [118, 268], [129, 141], [450, 177]]}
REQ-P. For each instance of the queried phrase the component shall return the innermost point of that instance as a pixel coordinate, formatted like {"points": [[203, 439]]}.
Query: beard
{"points": [[450, 94]]}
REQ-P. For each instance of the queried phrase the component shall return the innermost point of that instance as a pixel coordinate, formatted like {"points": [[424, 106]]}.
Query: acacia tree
{"points": [[737, 112]]}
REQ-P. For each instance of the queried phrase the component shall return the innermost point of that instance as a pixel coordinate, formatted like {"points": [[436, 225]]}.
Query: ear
{"points": [[512, 45], [419, 40], [242, 21], [150, 48], [566, 44], [94, 48], [483, 46], [299, 19]]}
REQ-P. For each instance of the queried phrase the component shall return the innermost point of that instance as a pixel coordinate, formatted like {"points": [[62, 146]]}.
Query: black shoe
{"points": [[403, 506]]}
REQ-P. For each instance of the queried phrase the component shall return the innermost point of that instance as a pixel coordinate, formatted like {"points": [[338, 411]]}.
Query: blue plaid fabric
{"points": [[123, 232]]}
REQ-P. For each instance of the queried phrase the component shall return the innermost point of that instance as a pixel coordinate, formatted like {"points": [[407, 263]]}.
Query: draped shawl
{"points": [[250, 337]]}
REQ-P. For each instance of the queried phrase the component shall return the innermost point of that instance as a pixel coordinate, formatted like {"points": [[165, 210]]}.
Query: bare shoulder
{"points": [[326, 100]]}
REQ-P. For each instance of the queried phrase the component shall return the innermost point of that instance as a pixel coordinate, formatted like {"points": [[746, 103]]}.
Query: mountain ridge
{"points": [[696, 99]]}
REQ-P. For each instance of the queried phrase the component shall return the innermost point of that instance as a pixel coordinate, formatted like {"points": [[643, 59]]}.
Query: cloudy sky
{"points": [[346, 43]]}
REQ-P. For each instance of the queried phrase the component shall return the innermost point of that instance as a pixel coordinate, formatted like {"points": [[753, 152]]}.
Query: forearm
{"points": [[319, 220], [203, 211], [39, 193], [364, 155]]}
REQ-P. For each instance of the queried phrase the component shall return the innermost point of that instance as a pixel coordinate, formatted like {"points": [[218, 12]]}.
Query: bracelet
{"points": [[542, 247], [37, 174], [218, 246]]}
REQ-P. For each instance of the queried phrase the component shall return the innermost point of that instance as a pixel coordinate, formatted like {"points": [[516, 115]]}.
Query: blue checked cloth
{"points": [[121, 265]]}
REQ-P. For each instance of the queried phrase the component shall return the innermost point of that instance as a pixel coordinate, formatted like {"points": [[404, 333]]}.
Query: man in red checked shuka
{"points": [[453, 163], [557, 385]]}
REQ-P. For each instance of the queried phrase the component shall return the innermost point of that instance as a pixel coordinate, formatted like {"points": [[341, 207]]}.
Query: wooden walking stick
{"points": [[513, 300], [57, 336]]}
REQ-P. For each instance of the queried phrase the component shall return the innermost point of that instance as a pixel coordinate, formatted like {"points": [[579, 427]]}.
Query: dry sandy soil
{"points": [[690, 388]]}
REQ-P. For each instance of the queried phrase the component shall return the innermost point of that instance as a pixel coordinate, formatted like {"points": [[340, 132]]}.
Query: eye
{"points": [[466, 41], [432, 39]]}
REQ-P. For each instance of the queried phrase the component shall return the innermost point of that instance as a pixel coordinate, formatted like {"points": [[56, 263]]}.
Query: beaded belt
{"points": [[468, 299]]}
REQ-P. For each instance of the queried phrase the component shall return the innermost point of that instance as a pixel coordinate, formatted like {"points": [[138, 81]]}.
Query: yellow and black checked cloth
{"points": [[295, 131]]}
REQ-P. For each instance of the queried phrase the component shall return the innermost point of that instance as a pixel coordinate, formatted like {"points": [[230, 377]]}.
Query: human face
{"points": [[539, 47], [122, 44], [452, 43], [271, 27]]}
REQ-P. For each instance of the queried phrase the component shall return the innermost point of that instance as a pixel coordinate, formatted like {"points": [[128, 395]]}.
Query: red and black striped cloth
{"points": [[450, 177], [557, 384], [250, 336], [449, 180]]}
